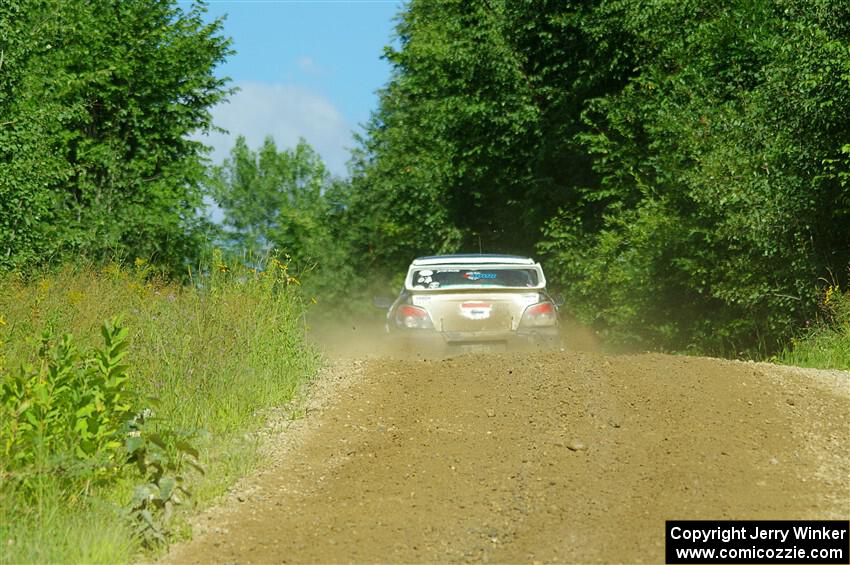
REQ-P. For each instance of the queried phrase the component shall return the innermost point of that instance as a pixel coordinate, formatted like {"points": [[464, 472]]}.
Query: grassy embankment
{"points": [[826, 345], [210, 358]]}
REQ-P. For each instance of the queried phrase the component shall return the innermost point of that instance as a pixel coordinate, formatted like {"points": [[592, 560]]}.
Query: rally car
{"points": [[474, 301]]}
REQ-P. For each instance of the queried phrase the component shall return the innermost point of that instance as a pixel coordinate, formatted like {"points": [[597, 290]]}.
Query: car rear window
{"points": [[434, 278]]}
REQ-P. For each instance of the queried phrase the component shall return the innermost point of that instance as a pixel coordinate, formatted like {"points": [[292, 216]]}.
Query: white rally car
{"points": [[474, 301]]}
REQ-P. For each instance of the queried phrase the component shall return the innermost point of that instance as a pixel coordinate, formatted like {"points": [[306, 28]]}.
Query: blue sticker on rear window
{"points": [[475, 275]]}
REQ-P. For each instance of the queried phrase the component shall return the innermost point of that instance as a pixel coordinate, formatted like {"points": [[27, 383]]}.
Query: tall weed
{"points": [[826, 343], [67, 415], [210, 357]]}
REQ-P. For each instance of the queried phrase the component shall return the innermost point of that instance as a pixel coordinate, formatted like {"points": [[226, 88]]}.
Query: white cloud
{"points": [[285, 112], [308, 65]]}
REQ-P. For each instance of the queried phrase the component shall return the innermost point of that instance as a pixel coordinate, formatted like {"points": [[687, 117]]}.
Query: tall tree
{"points": [[286, 202], [473, 146], [721, 176], [98, 101], [273, 199]]}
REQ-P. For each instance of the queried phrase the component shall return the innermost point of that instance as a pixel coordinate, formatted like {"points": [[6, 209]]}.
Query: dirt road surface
{"points": [[522, 458]]}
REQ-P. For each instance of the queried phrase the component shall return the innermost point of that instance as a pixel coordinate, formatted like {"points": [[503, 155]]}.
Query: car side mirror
{"points": [[559, 300], [382, 302]]}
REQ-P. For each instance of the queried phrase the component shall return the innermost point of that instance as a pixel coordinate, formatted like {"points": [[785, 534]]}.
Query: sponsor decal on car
{"points": [[475, 275], [476, 310]]}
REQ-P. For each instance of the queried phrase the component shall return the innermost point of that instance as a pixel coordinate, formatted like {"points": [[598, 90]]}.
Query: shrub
{"points": [[826, 343], [68, 413]]}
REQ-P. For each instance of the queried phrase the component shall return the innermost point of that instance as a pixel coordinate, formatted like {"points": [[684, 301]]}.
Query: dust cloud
{"points": [[366, 337]]}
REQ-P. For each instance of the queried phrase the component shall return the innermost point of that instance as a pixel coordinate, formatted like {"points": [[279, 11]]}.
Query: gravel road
{"points": [[522, 458]]}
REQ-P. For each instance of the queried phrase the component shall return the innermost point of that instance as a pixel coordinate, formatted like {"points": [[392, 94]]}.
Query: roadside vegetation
{"points": [[681, 167], [108, 431], [825, 343], [131, 381]]}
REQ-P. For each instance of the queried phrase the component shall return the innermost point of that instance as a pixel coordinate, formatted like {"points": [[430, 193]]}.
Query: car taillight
{"points": [[541, 314], [413, 317]]}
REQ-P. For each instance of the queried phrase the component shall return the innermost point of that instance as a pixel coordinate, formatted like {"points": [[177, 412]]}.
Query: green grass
{"points": [[827, 344], [211, 356], [55, 530], [824, 349]]}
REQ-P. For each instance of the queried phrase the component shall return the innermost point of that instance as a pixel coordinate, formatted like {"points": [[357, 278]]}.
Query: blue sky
{"points": [[305, 68]]}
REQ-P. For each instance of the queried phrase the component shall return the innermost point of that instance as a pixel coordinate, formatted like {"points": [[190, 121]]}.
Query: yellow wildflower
{"points": [[827, 297], [75, 297]]}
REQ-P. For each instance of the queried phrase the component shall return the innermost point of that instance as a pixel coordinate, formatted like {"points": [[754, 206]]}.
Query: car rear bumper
{"points": [[425, 340]]}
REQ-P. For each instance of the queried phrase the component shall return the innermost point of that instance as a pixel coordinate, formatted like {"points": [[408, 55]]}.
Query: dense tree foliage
{"points": [[720, 168], [681, 166], [474, 142], [97, 102], [285, 202]]}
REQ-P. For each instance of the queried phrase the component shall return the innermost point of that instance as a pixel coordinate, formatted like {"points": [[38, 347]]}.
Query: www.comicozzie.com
{"points": [[700, 541]]}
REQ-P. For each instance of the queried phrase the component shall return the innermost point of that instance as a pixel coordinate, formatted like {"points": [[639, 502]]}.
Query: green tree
{"points": [[97, 104], [473, 145], [285, 201], [28, 129], [717, 216]]}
